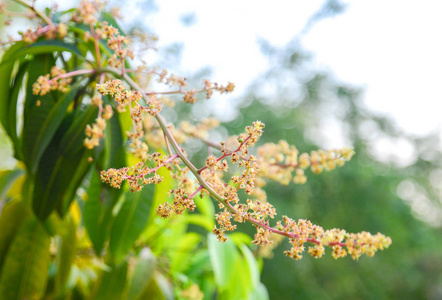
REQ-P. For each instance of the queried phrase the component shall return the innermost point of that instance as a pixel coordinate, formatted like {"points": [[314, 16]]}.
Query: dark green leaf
{"points": [[40, 127], [72, 140], [6, 73], [116, 154], [130, 222], [12, 109], [45, 46], [97, 213]]}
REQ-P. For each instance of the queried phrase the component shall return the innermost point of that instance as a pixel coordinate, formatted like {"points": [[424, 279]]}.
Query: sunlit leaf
{"points": [[184, 250], [27, 263], [222, 256], [13, 214]]}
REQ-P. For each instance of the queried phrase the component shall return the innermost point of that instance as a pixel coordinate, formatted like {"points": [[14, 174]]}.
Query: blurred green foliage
{"points": [[360, 196]]}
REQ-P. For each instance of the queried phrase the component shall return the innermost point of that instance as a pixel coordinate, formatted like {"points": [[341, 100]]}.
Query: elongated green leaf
{"points": [[13, 215], [40, 65], [5, 87], [143, 273], [53, 179], [45, 46], [252, 264], [27, 264], [41, 127], [7, 178], [10, 119], [182, 255], [161, 191], [116, 154], [97, 213], [66, 247], [72, 140], [130, 222], [72, 143], [6, 67], [222, 256], [112, 285]]}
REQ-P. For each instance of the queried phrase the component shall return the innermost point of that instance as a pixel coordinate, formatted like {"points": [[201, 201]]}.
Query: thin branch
{"points": [[39, 13]]}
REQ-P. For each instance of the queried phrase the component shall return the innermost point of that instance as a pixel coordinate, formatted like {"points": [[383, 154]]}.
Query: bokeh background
{"points": [[324, 74]]}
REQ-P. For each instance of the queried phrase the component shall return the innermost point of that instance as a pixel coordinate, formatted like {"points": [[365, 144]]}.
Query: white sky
{"points": [[390, 48]]}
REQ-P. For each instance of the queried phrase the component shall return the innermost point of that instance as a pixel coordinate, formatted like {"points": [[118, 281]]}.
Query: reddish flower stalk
{"points": [[227, 154]]}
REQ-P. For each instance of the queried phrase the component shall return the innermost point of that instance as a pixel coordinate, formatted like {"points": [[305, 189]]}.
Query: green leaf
{"points": [[129, 222], [66, 251], [97, 213], [6, 73], [13, 215], [222, 257], [200, 220], [40, 127], [182, 254], [53, 179], [205, 206], [40, 65], [7, 178], [143, 273], [161, 191], [72, 140], [112, 285], [116, 154], [252, 266], [27, 263], [260, 293], [45, 46], [10, 120]]}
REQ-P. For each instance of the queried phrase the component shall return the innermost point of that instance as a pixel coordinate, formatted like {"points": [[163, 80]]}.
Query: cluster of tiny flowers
{"points": [[87, 11], [134, 175], [123, 97], [129, 98], [95, 132], [181, 202], [190, 95], [279, 161], [341, 242], [155, 136], [116, 43], [209, 87], [51, 82], [51, 31]]}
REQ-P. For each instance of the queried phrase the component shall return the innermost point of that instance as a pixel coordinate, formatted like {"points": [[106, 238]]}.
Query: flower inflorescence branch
{"points": [[279, 162]]}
